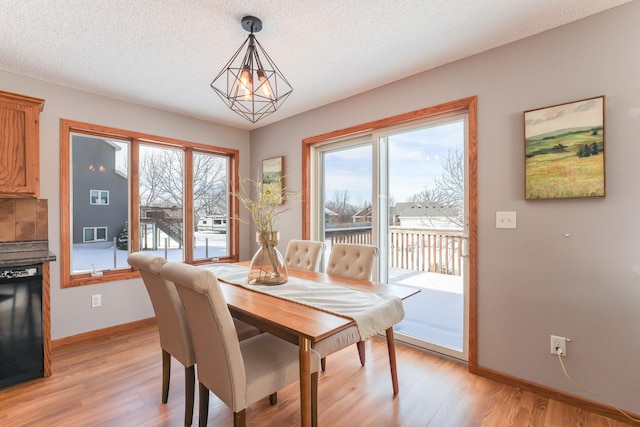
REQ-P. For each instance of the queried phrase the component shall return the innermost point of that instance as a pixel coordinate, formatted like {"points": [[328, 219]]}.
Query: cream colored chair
{"points": [[304, 254], [175, 338], [238, 372], [350, 260], [356, 262]]}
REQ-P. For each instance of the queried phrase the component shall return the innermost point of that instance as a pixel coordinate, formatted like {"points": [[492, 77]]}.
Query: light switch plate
{"points": [[505, 220]]}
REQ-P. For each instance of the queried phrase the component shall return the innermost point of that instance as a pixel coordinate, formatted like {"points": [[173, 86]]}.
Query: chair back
{"points": [[217, 348], [304, 254], [175, 337], [353, 261]]}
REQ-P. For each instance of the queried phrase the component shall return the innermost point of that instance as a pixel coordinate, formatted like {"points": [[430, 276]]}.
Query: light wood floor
{"points": [[115, 381]]}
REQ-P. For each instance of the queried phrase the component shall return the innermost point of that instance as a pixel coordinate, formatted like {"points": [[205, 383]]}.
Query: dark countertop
{"points": [[25, 253]]}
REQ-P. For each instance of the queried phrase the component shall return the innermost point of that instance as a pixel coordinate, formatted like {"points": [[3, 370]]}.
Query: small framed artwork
{"points": [[273, 176], [564, 150]]}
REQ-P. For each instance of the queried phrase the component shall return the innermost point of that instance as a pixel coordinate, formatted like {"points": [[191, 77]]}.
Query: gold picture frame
{"points": [[565, 150]]}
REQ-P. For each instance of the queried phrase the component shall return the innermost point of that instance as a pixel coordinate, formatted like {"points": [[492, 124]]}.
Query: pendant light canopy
{"points": [[251, 84]]}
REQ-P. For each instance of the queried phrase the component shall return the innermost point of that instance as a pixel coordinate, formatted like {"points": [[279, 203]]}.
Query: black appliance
{"points": [[21, 343]]}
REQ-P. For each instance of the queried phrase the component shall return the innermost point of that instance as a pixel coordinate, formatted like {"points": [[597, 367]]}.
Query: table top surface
{"points": [[291, 320]]}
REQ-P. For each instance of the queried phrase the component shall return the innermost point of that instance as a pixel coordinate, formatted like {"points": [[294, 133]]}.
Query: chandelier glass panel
{"points": [[251, 84]]}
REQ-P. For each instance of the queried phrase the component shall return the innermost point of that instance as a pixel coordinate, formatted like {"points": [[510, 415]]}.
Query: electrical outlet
{"points": [[96, 300], [559, 343]]}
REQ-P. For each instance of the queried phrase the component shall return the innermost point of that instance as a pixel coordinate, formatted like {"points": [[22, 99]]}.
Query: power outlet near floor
{"points": [[559, 344], [96, 300]]}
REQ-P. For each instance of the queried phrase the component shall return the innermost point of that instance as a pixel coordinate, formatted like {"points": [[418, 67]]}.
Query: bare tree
{"points": [[340, 204], [210, 179], [162, 175], [451, 182], [152, 175], [447, 193]]}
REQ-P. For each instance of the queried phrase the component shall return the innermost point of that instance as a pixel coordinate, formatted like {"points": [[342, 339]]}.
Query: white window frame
{"points": [[95, 233], [99, 198]]}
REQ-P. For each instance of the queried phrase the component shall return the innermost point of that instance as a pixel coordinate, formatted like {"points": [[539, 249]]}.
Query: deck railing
{"points": [[437, 251], [356, 235], [430, 250]]}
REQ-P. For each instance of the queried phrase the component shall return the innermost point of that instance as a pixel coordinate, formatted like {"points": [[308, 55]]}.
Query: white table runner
{"points": [[372, 312]]}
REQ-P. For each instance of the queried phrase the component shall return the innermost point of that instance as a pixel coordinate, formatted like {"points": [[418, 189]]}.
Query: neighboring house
{"points": [[363, 215], [330, 217], [423, 215], [413, 215], [100, 193], [214, 223]]}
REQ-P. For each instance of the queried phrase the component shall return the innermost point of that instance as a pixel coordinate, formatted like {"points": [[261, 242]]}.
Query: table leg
{"points": [[305, 381], [391, 345]]}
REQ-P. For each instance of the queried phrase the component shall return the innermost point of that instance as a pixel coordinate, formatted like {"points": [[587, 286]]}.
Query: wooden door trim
{"points": [[466, 104]]}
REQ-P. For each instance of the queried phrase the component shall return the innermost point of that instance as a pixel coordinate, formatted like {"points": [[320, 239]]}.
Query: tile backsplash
{"points": [[23, 220]]}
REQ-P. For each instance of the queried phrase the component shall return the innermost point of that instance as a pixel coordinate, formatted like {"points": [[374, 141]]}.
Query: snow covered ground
{"points": [[436, 313], [86, 257]]}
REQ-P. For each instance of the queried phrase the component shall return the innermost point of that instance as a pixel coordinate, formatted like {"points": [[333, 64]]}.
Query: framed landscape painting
{"points": [[273, 175], [564, 150]]}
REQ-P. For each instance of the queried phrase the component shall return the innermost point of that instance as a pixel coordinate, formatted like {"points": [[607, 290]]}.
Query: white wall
{"points": [[123, 301], [533, 282]]}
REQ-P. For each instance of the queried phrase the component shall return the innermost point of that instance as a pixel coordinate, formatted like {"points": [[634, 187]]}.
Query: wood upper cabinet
{"points": [[19, 145]]}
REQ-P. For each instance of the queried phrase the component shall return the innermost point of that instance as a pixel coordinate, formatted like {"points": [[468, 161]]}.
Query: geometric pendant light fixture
{"points": [[251, 84]]}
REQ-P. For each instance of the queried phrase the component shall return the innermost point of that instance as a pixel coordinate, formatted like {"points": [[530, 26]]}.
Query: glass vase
{"points": [[267, 266]]}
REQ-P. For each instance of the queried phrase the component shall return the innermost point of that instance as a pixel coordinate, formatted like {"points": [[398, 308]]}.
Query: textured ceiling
{"points": [[164, 53]]}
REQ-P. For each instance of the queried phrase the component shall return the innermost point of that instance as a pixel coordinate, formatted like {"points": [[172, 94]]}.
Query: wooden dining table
{"points": [[304, 325]]}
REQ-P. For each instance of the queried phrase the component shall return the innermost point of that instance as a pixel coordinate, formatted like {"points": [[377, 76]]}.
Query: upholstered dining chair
{"points": [[354, 261], [175, 338], [238, 372], [304, 254]]}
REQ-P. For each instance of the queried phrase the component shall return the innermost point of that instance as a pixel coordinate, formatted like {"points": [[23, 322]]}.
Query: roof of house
{"points": [[417, 209], [364, 212]]}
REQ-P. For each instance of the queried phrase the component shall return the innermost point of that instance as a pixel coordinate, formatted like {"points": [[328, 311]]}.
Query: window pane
{"points": [[101, 233], [89, 235], [99, 197], [98, 162], [347, 186], [161, 201], [425, 176], [210, 205], [93, 170]]}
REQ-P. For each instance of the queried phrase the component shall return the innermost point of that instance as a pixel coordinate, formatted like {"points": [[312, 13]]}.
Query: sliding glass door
{"points": [[403, 189], [422, 229]]}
